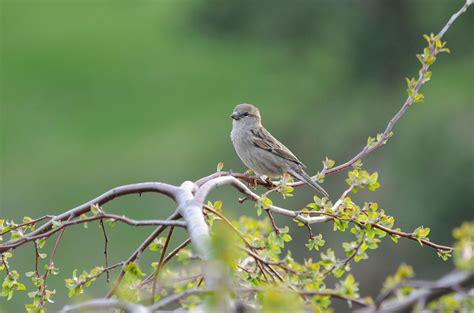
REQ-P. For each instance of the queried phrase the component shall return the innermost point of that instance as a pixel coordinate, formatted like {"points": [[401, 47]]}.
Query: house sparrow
{"points": [[260, 151]]}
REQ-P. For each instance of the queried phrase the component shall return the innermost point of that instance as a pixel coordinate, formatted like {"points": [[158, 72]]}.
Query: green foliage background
{"points": [[96, 94]]}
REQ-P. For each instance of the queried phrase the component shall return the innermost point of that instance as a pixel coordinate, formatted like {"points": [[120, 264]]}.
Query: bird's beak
{"points": [[235, 116]]}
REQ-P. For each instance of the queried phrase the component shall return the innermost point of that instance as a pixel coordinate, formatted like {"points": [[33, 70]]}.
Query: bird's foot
{"points": [[252, 181]]}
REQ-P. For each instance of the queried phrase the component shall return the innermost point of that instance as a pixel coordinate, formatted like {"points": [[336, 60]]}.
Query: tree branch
{"points": [[136, 254], [178, 296], [438, 288], [139, 188], [160, 264], [105, 304], [12, 244]]}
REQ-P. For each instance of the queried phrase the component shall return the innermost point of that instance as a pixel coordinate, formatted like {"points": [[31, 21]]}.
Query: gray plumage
{"points": [[260, 151]]}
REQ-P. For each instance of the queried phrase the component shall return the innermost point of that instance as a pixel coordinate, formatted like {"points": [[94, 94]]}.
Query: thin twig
{"points": [[138, 251], [176, 250], [266, 263], [35, 221], [51, 265], [105, 270], [33, 236], [177, 296], [160, 264], [349, 258], [272, 220], [183, 245], [310, 230], [229, 223], [166, 189], [36, 258], [387, 230], [106, 242], [5, 263], [251, 249]]}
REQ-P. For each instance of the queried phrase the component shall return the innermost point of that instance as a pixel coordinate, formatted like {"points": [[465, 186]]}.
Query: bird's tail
{"points": [[303, 176]]}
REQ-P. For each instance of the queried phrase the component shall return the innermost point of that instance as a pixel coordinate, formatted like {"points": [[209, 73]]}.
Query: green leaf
{"points": [[218, 205], [421, 232], [266, 202], [419, 97], [315, 243], [340, 225], [157, 244], [10, 294], [20, 286], [16, 234], [133, 269], [284, 230], [286, 191], [40, 242], [444, 255], [430, 59], [349, 287], [56, 224], [95, 209], [286, 237], [27, 219], [328, 163], [339, 272], [263, 204]]}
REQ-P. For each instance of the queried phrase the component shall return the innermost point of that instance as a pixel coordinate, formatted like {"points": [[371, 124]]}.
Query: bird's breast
{"points": [[260, 161]]}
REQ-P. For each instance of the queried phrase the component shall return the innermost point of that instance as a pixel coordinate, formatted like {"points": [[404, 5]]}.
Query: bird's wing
{"points": [[264, 140]]}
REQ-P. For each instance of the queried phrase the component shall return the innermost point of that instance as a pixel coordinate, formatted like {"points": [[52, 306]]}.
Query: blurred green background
{"points": [[96, 94]]}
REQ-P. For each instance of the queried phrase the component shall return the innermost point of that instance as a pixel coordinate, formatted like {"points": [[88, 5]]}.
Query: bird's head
{"points": [[246, 114]]}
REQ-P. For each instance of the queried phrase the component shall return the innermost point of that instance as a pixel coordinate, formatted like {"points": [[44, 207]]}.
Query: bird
{"points": [[263, 153]]}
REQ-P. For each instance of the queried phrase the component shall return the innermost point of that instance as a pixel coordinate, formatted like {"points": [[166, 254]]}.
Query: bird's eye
{"points": [[246, 114]]}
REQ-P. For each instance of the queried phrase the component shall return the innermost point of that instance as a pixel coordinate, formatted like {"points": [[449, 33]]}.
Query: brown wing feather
{"points": [[264, 140]]}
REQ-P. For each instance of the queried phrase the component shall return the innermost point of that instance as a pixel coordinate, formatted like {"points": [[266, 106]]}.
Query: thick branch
{"points": [[139, 188], [231, 180], [190, 207], [31, 237]]}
